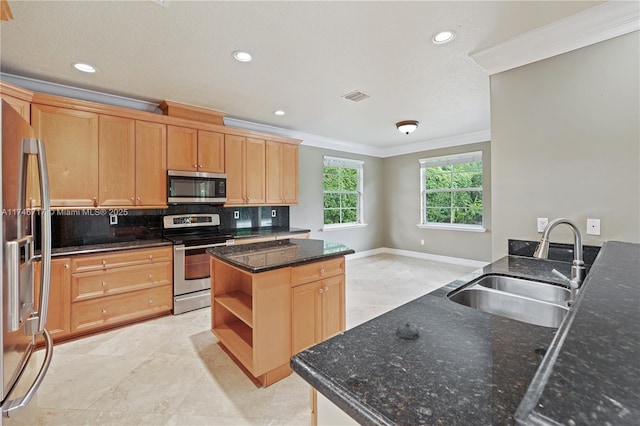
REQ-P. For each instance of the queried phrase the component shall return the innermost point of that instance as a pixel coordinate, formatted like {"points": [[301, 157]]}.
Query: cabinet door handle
{"points": [[321, 291], [150, 301], [326, 289], [322, 270], [200, 165], [138, 198], [66, 266], [104, 312], [195, 166], [104, 263], [131, 198], [95, 202], [150, 276], [104, 284]]}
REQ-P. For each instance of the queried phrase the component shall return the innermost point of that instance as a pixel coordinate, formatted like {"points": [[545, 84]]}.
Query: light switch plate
{"points": [[236, 214], [593, 226], [273, 213], [113, 219]]}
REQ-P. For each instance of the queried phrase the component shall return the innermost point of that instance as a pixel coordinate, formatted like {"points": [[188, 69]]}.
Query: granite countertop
{"points": [[269, 255], [472, 366], [115, 246]]}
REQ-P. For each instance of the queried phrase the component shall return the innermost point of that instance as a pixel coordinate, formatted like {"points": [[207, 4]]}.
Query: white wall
{"points": [[566, 143]]}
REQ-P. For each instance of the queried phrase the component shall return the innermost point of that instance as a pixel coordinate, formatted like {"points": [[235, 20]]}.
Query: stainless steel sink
{"points": [[520, 299]]}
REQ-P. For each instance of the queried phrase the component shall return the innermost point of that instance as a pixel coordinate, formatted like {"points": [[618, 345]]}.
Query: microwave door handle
{"points": [[36, 147]]}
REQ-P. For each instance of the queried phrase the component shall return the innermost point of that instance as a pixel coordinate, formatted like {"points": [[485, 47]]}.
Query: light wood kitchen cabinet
{"points": [[151, 164], [116, 165], [71, 142], [132, 163], [58, 314], [195, 150], [18, 98], [245, 168], [281, 173], [114, 288], [317, 303], [251, 318]]}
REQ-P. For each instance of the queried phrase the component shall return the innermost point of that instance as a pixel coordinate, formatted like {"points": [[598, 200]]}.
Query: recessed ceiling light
{"points": [[241, 56], [444, 37], [85, 67], [279, 112]]}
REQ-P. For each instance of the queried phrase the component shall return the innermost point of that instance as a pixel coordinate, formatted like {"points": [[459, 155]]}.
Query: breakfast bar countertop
{"points": [[469, 365]]}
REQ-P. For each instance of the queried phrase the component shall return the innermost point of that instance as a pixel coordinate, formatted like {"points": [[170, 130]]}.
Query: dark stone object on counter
{"points": [[408, 332], [266, 256]]}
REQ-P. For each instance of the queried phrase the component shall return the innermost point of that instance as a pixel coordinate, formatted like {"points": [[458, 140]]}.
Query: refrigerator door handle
{"points": [[15, 404], [36, 147]]}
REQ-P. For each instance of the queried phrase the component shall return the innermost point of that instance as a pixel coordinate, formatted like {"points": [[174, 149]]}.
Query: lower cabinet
{"points": [[115, 288], [317, 312], [89, 293], [58, 320]]}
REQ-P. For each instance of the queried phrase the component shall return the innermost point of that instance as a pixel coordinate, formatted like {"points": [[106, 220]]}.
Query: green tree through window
{"points": [[342, 180], [452, 190]]}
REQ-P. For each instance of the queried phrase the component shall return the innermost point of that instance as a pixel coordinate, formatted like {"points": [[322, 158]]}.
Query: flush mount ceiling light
{"points": [[443, 37], [279, 112], [407, 126], [85, 67], [241, 56]]}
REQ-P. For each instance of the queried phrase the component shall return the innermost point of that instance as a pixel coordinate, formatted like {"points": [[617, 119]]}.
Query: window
{"points": [[342, 179], [452, 191]]}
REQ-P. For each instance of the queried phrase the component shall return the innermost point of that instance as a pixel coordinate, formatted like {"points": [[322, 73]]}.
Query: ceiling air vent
{"points": [[356, 96]]}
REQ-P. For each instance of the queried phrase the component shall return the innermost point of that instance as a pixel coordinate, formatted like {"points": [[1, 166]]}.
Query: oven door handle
{"points": [[204, 246]]}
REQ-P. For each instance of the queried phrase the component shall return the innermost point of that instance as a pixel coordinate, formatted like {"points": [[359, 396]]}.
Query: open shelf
{"points": [[239, 304], [237, 338]]}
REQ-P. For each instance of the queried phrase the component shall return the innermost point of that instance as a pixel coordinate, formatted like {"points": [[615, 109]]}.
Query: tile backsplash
{"points": [[82, 227]]}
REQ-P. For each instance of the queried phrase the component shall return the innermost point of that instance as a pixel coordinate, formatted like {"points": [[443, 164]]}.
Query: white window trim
{"points": [[329, 161], [449, 160]]}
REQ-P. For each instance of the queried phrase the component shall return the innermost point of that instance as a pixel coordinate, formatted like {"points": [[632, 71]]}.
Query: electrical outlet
{"points": [[421, 242], [113, 219], [593, 226], [273, 213], [236, 214], [542, 223]]}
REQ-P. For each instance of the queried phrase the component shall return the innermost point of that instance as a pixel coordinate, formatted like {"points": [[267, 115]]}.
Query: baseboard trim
{"points": [[418, 255]]}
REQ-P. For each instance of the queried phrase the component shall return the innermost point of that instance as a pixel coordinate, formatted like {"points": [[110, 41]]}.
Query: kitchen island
{"points": [[271, 299], [470, 367]]}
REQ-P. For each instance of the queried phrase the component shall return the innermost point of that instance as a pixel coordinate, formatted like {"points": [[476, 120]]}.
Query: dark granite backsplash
{"points": [[557, 251], [80, 227]]}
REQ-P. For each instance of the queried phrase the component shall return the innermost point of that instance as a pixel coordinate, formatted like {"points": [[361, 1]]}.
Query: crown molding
{"points": [[308, 139], [78, 93], [593, 25]]}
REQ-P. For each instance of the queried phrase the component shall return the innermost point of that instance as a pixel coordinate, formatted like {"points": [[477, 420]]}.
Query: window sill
{"points": [[341, 227], [453, 227]]}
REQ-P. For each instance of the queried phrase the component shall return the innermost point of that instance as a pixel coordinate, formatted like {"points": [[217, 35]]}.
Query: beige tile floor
{"points": [[171, 371]]}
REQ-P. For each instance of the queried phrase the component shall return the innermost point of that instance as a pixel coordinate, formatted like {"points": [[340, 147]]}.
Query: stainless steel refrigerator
{"points": [[22, 319]]}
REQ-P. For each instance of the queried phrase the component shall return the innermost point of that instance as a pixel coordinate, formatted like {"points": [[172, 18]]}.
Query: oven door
{"points": [[191, 268]]}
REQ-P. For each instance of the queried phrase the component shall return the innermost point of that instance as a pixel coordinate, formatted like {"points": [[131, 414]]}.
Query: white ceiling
{"points": [[306, 56]]}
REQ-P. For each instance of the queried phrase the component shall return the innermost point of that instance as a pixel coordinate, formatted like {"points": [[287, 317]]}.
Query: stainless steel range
{"points": [[192, 235]]}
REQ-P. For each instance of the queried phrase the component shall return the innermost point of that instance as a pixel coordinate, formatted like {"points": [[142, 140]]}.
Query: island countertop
{"points": [[269, 255], [472, 367]]}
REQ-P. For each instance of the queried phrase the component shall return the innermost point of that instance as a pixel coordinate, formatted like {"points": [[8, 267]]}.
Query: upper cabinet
{"points": [[281, 173], [71, 143], [245, 166], [195, 150], [151, 164], [117, 165]]}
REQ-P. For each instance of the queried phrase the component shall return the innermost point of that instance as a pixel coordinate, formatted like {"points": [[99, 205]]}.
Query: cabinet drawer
{"points": [[317, 270], [104, 311], [120, 259], [88, 285]]}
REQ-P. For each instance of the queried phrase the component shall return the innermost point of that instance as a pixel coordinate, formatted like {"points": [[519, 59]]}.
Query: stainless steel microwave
{"points": [[185, 187]]}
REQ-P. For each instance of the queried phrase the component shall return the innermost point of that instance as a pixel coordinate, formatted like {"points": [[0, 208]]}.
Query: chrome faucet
{"points": [[578, 270]]}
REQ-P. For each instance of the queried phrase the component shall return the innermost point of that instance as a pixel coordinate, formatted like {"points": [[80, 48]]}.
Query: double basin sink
{"points": [[525, 300]]}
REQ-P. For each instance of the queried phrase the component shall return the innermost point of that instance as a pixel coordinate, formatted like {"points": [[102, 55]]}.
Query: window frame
{"points": [[345, 163], [450, 160]]}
